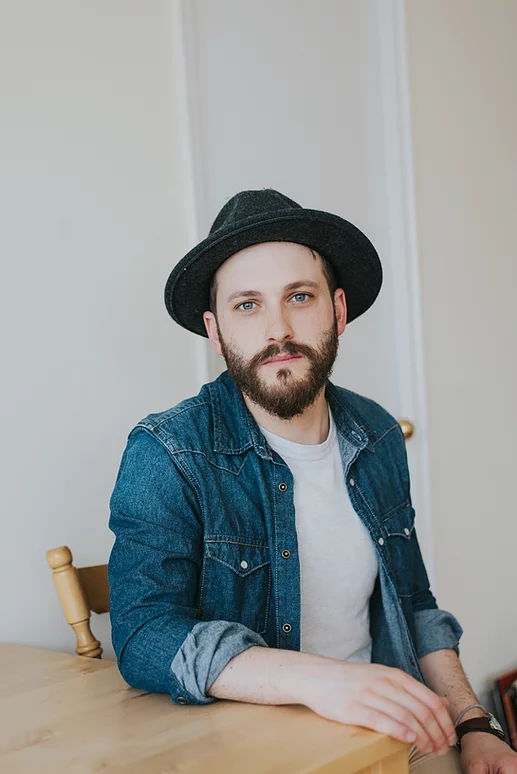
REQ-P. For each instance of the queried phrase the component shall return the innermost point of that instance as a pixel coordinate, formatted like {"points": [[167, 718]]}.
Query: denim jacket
{"points": [[205, 561]]}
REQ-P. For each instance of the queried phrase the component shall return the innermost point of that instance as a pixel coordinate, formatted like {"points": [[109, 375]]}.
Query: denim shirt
{"points": [[205, 561]]}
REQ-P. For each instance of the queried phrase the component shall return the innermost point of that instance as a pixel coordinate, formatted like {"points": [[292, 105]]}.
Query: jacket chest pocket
{"points": [[236, 583]]}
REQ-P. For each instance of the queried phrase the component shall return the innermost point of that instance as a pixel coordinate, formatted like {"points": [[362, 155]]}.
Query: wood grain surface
{"points": [[64, 713]]}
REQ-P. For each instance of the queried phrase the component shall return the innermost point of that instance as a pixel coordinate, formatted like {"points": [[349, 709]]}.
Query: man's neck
{"points": [[311, 427]]}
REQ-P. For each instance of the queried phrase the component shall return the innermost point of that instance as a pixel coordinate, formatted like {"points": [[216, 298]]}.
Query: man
{"points": [[265, 544]]}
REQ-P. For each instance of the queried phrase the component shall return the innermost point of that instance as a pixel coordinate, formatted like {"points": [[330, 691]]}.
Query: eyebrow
{"points": [[288, 288]]}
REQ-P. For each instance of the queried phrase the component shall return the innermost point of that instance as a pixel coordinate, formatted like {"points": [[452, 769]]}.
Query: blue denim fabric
{"points": [[205, 561]]}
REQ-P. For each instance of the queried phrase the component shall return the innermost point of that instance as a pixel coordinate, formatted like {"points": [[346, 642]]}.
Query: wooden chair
{"points": [[80, 591]]}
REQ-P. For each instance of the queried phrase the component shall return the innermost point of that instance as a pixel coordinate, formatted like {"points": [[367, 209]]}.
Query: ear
{"points": [[341, 310], [213, 331]]}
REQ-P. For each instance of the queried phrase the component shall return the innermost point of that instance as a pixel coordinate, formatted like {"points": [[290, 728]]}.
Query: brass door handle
{"points": [[407, 428]]}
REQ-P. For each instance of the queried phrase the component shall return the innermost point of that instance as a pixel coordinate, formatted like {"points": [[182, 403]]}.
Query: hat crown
{"points": [[249, 204], [256, 216]]}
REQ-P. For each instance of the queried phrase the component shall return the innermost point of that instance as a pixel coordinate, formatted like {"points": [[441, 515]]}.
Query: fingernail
{"points": [[453, 740]]}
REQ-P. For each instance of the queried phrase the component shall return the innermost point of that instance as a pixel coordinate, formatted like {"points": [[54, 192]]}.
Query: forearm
{"points": [[371, 695], [267, 676], [445, 676]]}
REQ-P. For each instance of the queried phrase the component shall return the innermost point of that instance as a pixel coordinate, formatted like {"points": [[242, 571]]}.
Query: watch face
{"points": [[494, 723]]}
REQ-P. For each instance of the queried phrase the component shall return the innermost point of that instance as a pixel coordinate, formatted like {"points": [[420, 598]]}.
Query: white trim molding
{"points": [[188, 136], [404, 261]]}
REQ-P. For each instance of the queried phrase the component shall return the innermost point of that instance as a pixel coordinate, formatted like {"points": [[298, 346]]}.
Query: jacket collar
{"points": [[235, 430]]}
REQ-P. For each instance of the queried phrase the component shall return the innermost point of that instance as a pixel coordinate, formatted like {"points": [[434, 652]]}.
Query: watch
{"points": [[488, 725]]}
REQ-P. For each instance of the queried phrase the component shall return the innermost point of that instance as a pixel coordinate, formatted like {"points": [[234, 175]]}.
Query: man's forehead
{"points": [[273, 263]]}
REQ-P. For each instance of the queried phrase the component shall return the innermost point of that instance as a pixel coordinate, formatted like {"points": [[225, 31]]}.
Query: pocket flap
{"points": [[242, 558], [401, 523]]}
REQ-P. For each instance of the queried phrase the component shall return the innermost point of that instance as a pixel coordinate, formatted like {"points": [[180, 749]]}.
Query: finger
{"points": [[427, 727], [435, 703], [384, 724], [439, 715], [398, 712]]}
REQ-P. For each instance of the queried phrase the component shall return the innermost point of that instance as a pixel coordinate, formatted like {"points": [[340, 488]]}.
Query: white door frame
{"points": [[404, 260], [187, 116]]}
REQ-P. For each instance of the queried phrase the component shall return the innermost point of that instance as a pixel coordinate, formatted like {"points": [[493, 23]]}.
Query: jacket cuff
{"points": [[435, 630], [204, 653]]}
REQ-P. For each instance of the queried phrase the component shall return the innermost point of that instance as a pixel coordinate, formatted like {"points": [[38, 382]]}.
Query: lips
{"points": [[282, 359]]}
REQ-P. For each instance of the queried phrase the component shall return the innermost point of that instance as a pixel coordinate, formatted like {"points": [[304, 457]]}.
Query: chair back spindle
{"points": [[80, 591]]}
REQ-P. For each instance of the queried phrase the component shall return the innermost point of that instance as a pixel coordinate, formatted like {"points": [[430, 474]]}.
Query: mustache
{"points": [[289, 348]]}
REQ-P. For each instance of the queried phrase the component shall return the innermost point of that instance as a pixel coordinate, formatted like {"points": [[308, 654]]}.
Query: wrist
{"points": [[473, 710], [478, 738], [473, 713], [305, 676], [478, 730]]}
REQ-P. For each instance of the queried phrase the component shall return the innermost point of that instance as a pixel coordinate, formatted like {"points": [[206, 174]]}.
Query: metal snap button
{"points": [[406, 530], [244, 565], [352, 482], [286, 554], [380, 541], [282, 487], [181, 700], [287, 628]]}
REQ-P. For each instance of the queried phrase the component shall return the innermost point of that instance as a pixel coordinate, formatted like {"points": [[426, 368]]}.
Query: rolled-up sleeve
{"points": [[434, 630], [160, 642], [207, 649]]}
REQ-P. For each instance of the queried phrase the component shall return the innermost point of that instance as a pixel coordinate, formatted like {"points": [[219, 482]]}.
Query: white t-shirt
{"points": [[338, 563]]}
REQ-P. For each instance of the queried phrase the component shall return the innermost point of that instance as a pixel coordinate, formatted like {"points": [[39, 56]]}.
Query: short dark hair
{"points": [[327, 268], [328, 271]]}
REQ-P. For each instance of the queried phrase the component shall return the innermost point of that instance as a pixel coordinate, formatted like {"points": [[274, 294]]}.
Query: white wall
{"points": [[462, 65], [95, 215], [287, 95], [92, 201]]}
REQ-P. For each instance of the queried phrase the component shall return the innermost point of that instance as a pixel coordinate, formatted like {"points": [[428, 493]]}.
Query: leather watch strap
{"points": [[476, 724]]}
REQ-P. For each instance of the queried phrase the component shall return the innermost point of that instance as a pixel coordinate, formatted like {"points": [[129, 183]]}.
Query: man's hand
{"points": [[486, 754], [381, 698]]}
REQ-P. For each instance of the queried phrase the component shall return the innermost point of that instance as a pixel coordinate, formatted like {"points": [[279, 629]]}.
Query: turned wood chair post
{"points": [[73, 600]]}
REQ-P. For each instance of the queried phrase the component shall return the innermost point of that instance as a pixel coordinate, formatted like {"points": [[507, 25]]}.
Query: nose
{"points": [[278, 326]]}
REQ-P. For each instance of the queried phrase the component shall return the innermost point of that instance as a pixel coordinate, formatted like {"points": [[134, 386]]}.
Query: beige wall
{"points": [[463, 67], [94, 217], [92, 199]]}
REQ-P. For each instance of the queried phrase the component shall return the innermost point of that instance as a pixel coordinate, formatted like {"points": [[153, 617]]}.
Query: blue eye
{"points": [[246, 306], [301, 297]]}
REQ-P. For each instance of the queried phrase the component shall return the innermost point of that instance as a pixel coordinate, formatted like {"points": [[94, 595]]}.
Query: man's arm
{"points": [[444, 673], [370, 695], [160, 642], [265, 676]]}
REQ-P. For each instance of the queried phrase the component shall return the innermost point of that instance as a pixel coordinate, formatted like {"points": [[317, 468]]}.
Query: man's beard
{"points": [[291, 395]]}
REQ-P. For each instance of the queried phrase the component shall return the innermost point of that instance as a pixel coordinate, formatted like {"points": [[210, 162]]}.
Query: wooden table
{"points": [[62, 713]]}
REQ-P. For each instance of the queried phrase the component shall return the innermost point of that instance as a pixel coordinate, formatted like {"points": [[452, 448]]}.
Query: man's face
{"points": [[277, 326]]}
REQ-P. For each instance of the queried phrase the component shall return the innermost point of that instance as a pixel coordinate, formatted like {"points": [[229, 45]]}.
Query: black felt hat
{"points": [[252, 217]]}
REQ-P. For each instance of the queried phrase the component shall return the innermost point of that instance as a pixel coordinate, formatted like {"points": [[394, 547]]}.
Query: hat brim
{"points": [[353, 257]]}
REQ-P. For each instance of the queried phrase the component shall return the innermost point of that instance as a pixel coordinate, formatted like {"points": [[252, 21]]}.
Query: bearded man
{"points": [[265, 545]]}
